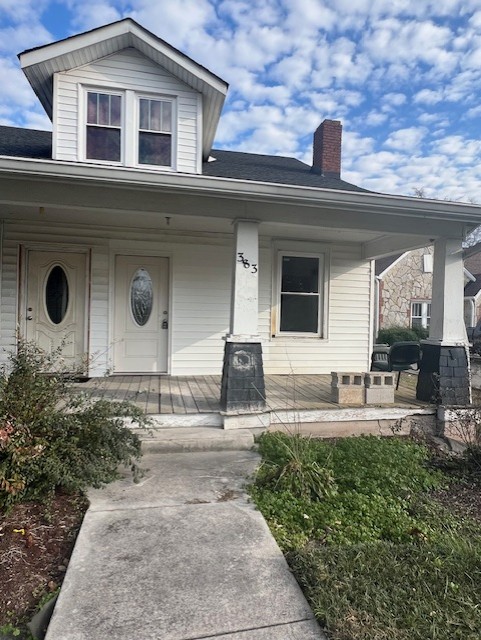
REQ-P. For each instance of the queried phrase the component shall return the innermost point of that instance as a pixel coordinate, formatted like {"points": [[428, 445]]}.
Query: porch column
{"points": [[444, 369], [243, 389]]}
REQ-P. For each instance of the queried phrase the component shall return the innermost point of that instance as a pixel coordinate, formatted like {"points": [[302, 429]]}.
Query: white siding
{"points": [[346, 345], [200, 289], [126, 70], [200, 298]]}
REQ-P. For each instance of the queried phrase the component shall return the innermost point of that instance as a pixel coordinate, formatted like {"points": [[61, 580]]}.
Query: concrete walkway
{"points": [[180, 556]]}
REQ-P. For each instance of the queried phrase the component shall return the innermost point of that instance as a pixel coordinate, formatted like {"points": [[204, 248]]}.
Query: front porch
{"points": [[174, 401]]}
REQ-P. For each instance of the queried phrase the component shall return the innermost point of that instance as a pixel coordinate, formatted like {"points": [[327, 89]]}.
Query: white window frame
{"points": [[129, 129], [173, 132], [83, 124], [425, 305], [322, 258]]}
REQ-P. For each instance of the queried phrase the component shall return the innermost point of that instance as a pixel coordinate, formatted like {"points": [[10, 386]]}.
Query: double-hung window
{"points": [[301, 291], [421, 314], [104, 126], [155, 132], [128, 128]]}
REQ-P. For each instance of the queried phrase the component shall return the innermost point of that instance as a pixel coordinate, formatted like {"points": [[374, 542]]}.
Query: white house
{"points": [[126, 235]]}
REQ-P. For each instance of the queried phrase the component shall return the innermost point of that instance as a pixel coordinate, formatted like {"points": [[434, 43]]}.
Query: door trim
{"points": [[23, 265], [116, 251]]}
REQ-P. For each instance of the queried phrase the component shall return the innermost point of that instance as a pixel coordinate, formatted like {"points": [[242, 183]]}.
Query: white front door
{"points": [[141, 314], [55, 303]]}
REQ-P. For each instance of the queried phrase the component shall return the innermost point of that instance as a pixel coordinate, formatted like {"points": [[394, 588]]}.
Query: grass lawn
{"points": [[383, 535]]}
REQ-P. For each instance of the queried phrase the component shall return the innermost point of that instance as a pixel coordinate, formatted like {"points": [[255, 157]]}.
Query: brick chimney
{"points": [[326, 158]]}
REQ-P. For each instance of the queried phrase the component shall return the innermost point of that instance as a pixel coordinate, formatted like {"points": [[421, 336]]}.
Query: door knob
{"points": [[29, 318]]}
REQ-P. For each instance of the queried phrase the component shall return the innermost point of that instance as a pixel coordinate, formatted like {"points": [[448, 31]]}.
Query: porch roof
{"points": [[380, 224]]}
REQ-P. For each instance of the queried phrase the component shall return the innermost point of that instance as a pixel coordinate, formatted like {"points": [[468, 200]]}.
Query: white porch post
{"points": [[243, 388], [444, 370], [245, 280]]}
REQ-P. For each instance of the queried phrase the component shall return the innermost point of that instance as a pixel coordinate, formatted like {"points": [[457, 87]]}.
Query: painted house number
{"points": [[247, 265]]}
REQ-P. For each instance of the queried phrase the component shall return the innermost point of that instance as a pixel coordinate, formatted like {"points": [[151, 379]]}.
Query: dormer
{"points": [[121, 96]]}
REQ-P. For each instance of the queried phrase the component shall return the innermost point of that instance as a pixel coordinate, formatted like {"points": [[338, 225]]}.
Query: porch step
{"points": [[185, 439]]}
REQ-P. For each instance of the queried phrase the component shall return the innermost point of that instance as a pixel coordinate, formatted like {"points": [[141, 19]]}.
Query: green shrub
{"points": [[53, 436], [421, 332], [397, 334]]}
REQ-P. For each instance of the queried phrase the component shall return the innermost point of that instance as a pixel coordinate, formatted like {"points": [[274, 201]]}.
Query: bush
{"points": [[399, 334], [52, 436]]}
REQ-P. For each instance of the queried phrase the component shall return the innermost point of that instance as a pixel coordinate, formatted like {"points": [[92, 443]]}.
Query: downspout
{"points": [[472, 319], [377, 286]]}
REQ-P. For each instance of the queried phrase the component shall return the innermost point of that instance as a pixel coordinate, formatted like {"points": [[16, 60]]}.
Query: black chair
{"points": [[400, 356]]}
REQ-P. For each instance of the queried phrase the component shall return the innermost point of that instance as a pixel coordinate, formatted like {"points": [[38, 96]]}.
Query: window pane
{"points": [[115, 107], [103, 144], [155, 148], [299, 313], [300, 274], [143, 114], [416, 322], [104, 109], [92, 108], [56, 295], [155, 115], [141, 296], [416, 309], [166, 116]]}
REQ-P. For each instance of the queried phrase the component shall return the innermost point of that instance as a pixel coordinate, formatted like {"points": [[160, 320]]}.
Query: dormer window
{"points": [[155, 132], [104, 115]]}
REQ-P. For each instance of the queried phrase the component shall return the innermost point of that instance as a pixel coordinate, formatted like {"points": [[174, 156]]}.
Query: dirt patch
{"points": [[36, 541]]}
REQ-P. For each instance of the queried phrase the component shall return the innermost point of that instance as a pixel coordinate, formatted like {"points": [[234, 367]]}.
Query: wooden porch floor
{"points": [[200, 394]]}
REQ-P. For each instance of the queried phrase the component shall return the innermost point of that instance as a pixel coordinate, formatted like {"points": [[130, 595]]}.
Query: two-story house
{"points": [[125, 236]]}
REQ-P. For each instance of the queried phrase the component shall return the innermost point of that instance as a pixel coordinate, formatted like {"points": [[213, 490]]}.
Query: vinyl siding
{"points": [[126, 70], [199, 298], [346, 344]]}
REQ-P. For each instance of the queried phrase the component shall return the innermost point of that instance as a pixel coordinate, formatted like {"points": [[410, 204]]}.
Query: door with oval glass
{"points": [[55, 303], [141, 314]]}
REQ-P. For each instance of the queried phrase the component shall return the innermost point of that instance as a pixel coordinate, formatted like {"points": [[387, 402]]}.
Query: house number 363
{"points": [[246, 263]]}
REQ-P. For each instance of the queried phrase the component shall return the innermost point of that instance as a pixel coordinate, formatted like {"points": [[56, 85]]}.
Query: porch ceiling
{"points": [[63, 192]]}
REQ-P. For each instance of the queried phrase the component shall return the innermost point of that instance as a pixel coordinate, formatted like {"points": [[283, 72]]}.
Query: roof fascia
{"points": [[84, 40]]}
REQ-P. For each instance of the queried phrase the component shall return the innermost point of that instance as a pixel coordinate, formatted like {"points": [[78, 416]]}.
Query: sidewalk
{"points": [[180, 556]]}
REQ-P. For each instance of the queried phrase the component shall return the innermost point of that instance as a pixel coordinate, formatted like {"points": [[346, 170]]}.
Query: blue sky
{"points": [[404, 76]]}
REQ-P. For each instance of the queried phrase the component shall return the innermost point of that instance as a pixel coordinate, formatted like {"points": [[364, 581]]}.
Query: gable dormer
{"points": [[118, 95]]}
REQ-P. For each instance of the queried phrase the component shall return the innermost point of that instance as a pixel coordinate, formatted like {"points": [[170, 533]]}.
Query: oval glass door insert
{"points": [[141, 296], [56, 294]]}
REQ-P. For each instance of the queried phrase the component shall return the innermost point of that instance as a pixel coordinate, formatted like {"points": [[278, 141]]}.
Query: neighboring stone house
{"points": [[404, 288], [472, 290]]}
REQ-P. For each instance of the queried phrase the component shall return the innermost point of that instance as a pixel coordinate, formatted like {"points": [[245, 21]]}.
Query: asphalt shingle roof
{"points": [[25, 143], [263, 168], [383, 263], [30, 143]]}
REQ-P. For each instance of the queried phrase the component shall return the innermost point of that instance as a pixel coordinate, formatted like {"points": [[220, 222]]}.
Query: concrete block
{"points": [[347, 387], [379, 387]]}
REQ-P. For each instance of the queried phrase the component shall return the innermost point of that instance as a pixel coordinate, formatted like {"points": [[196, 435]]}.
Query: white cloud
{"points": [[89, 14], [428, 96], [407, 139]]}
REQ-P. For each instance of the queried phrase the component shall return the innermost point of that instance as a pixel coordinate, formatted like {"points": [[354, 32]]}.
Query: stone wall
{"points": [[404, 282]]}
